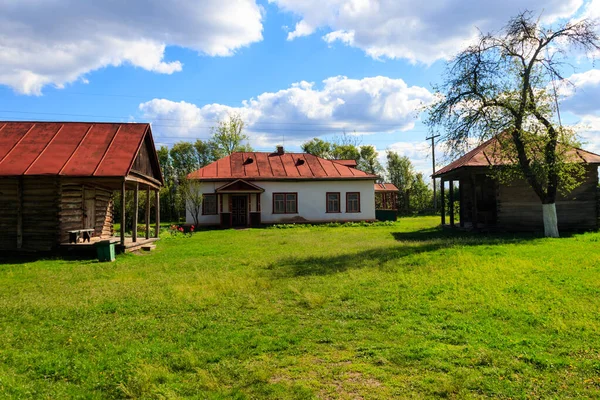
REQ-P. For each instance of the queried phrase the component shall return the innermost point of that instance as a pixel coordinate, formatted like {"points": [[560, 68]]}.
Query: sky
{"points": [[293, 69]]}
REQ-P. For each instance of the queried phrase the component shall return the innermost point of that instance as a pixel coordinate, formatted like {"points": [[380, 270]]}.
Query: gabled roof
{"points": [[77, 149], [386, 187], [487, 154], [274, 166], [239, 185]]}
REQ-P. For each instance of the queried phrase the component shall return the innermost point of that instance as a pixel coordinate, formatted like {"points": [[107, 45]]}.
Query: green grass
{"points": [[322, 312]]}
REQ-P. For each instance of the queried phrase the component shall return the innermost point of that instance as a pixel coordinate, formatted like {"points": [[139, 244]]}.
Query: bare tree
{"points": [[505, 84], [193, 198]]}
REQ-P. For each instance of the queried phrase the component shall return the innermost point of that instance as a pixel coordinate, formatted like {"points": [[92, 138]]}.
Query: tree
{"points": [[401, 174], [345, 152], [193, 198], [206, 152], [317, 147], [368, 161], [504, 83], [421, 198], [184, 159], [229, 136]]}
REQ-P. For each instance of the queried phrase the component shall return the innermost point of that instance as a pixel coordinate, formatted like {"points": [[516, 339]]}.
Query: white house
{"points": [[250, 188]]}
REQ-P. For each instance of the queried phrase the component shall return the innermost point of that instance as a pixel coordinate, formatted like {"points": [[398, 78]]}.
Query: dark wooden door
{"points": [[239, 211]]}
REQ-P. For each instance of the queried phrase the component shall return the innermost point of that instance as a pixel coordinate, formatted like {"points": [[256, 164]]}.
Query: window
{"points": [[353, 202], [333, 202], [285, 203], [209, 204]]}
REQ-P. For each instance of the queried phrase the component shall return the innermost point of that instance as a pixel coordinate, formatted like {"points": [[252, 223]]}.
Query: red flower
{"points": [[180, 229]]}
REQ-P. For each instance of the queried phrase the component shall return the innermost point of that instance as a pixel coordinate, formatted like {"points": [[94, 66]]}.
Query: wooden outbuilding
{"points": [[485, 203], [57, 180], [386, 201]]}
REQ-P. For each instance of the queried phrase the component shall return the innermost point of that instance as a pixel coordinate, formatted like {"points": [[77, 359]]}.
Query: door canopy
{"points": [[240, 186]]}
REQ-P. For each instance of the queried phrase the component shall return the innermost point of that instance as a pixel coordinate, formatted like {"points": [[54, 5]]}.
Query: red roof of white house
{"points": [[275, 166], [488, 154]]}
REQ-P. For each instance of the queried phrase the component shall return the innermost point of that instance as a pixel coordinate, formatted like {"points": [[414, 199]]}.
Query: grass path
{"points": [[348, 312]]}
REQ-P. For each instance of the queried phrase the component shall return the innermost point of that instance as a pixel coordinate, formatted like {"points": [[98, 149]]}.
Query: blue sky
{"points": [[293, 69]]}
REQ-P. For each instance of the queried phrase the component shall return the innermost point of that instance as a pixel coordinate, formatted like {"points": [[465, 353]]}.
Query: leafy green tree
{"points": [[500, 84], [401, 173], [345, 152], [368, 161], [184, 159], [229, 137], [317, 147], [206, 151], [421, 198]]}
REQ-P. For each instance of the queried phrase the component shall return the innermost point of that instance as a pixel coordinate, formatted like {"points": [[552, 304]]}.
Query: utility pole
{"points": [[432, 138]]}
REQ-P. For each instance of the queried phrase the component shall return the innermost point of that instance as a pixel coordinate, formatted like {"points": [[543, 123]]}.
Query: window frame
{"points": [[339, 203], [348, 202], [216, 197], [285, 202]]}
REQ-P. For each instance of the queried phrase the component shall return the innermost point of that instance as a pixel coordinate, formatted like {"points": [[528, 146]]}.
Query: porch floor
{"points": [[130, 245]]}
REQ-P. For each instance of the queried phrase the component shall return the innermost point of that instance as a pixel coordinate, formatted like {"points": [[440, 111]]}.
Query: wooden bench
{"points": [[75, 234]]}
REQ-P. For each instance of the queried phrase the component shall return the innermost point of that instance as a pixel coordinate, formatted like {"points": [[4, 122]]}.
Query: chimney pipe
{"points": [[280, 150]]}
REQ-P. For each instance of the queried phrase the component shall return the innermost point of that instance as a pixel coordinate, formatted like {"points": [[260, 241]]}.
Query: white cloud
{"points": [[301, 112], [302, 29], [57, 42], [410, 30]]}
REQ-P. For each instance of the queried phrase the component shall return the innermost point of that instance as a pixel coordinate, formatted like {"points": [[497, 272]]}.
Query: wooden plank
{"points": [[20, 213], [123, 191], [148, 212], [157, 211], [136, 198], [443, 203]]}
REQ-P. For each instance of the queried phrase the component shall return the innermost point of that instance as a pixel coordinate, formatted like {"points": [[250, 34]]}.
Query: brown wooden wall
{"points": [[519, 208], [48, 208], [37, 225], [74, 200], [8, 213]]}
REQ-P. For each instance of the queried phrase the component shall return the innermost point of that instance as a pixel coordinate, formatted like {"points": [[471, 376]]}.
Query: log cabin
{"points": [[57, 179], [486, 203]]}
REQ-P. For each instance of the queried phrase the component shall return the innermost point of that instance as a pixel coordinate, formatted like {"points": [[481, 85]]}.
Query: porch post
{"points": [[474, 201], [442, 202], [135, 213], [249, 209], [461, 211], [123, 200], [148, 212], [451, 199], [157, 213]]}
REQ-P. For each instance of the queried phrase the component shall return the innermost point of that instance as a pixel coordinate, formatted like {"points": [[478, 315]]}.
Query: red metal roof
{"points": [[487, 154], [266, 166], [348, 163], [386, 187], [70, 148]]}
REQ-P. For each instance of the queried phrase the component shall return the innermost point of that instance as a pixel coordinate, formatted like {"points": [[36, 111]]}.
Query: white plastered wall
{"points": [[311, 201]]}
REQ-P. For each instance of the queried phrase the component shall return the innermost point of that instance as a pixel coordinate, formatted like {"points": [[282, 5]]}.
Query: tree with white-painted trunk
{"points": [[506, 83]]}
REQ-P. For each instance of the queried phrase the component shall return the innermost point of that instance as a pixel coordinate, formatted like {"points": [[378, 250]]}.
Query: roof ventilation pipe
{"points": [[280, 150]]}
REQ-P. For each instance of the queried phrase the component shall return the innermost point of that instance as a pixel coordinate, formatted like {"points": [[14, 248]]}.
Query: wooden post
{"points": [[474, 200], [157, 213], [148, 212], [461, 198], [123, 201], [442, 202], [20, 212], [451, 199], [136, 197]]}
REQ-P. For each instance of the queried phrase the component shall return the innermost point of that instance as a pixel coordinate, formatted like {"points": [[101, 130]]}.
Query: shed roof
{"points": [[77, 149], [386, 187], [274, 166], [486, 155]]}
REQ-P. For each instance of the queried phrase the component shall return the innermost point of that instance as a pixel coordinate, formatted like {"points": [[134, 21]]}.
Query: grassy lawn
{"points": [[323, 312]]}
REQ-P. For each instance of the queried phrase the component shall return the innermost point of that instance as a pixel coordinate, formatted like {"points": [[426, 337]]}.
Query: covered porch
{"points": [[469, 195], [238, 204], [386, 202]]}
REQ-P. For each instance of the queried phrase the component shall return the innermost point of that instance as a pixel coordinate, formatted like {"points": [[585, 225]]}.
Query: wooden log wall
{"points": [[519, 208], [28, 213], [72, 209], [8, 213]]}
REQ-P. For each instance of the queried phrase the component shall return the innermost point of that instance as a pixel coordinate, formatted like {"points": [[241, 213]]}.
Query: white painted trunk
{"points": [[550, 220]]}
